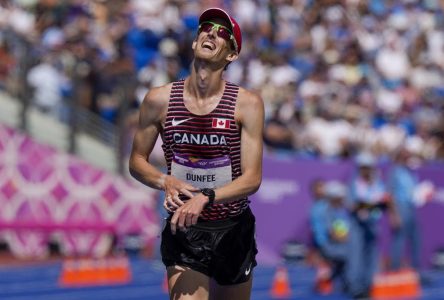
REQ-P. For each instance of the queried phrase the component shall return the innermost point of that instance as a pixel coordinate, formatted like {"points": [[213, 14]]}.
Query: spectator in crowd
{"points": [[336, 76], [367, 199], [47, 83], [7, 63], [278, 134]]}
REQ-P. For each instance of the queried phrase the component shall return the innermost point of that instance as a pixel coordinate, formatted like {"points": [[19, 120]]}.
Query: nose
{"points": [[213, 32]]}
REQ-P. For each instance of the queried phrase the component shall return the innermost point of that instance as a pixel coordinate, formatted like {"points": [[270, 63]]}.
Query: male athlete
{"points": [[212, 139]]}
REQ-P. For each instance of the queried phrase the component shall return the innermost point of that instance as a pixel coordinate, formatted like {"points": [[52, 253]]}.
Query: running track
{"points": [[39, 282]]}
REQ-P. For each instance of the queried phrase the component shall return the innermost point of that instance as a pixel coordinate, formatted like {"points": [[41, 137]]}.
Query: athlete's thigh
{"points": [[241, 291], [187, 284]]}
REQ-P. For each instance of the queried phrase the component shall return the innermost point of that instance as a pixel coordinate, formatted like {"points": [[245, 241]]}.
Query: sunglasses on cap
{"points": [[222, 31]]}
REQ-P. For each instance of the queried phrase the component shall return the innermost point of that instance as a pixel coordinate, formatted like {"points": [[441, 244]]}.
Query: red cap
{"points": [[213, 13]]}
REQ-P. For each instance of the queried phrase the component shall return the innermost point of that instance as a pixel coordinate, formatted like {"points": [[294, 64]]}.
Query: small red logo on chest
{"points": [[221, 123]]}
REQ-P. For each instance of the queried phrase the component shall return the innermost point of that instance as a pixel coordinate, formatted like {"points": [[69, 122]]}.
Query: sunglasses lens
{"points": [[206, 27], [224, 33]]}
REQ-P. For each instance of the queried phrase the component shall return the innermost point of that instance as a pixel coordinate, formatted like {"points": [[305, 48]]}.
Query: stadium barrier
{"points": [[49, 197]]}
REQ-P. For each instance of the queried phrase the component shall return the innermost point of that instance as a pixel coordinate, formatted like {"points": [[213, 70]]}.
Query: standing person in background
{"points": [[403, 184], [317, 214], [367, 199], [212, 139]]}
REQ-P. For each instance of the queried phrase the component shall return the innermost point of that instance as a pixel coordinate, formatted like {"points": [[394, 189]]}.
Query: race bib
{"points": [[202, 173]]}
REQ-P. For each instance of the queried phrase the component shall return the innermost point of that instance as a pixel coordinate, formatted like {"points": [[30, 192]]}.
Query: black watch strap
{"points": [[210, 194]]}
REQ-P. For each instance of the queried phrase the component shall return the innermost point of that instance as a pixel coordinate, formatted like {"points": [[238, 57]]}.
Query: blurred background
{"points": [[350, 88]]}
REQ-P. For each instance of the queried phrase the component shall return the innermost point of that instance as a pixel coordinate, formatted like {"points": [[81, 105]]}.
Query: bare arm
{"points": [[151, 121], [250, 116], [151, 117]]}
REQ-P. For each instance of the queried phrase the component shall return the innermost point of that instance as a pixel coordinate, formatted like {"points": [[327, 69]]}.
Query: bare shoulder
{"points": [[155, 104], [248, 103], [247, 97], [157, 97]]}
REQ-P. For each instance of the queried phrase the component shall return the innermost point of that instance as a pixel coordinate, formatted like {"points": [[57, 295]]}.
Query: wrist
{"points": [[161, 181], [210, 195]]}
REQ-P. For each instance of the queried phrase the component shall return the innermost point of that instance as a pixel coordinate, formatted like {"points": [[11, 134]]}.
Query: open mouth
{"points": [[208, 45]]}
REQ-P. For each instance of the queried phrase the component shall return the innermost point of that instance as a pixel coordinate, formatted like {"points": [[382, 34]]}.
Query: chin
{"points": [[205, 55]]}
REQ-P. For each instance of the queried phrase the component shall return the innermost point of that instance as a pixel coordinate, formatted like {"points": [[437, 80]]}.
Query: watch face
{"points": [[209, 193]]}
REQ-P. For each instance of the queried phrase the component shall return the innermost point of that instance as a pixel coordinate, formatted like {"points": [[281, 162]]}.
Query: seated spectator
{"points": [[332, 237]]}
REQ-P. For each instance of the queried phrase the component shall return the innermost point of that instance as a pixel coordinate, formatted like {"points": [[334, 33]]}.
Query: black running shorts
{"points": [[224, 250]]}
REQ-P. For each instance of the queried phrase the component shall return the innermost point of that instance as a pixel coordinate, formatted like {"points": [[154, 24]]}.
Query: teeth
{"points": [[209, 45]]}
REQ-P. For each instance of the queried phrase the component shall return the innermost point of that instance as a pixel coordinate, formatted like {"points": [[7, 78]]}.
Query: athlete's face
{"points": [[214, 41]]}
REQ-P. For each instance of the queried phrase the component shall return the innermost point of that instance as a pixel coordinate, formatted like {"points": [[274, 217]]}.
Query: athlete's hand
{"points": [[187, 214], [173, 188]]}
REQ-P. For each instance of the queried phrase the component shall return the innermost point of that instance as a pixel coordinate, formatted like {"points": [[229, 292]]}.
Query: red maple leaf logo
{"points": [[221, 123]]}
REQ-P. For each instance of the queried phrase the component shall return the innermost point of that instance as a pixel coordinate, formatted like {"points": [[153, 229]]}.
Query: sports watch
{"points": [[210, 194]]}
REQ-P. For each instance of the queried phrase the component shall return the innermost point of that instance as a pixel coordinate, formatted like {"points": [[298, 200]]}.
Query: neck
{"points": [[205, 79]]}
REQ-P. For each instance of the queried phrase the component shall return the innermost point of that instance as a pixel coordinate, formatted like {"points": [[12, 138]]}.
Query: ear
{"points": [[194, 44], [232, 56]]}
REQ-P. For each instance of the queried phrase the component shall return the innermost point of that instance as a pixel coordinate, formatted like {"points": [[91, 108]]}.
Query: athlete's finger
{"points": [[191, 188], [182, 219], [166, 204], [171, 202], [173, 222], [169, 207], [189, 219], [177, 201], [186, 192], [173, 205], [194, 218]]}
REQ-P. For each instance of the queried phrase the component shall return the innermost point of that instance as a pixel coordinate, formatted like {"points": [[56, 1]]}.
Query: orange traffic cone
{"points": [[281, 284], [400, 284], [84, 272], [69, 272], [323, 284]]}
